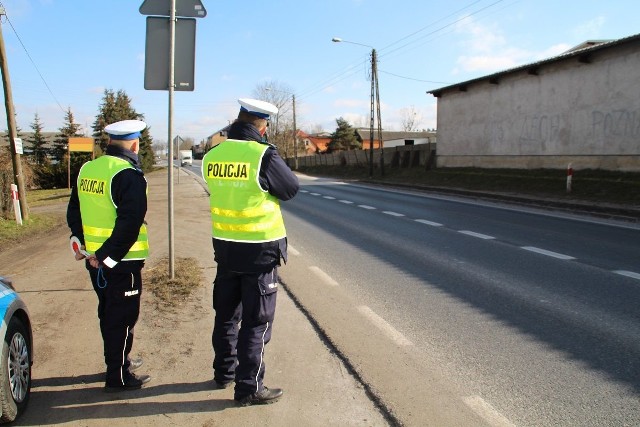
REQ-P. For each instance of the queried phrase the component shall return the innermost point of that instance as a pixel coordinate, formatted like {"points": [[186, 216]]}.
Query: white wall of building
{"points": [[587, 114]]}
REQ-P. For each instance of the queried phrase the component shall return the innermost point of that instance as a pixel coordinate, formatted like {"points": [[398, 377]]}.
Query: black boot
{"points": [[263, 397], [131, 382]]}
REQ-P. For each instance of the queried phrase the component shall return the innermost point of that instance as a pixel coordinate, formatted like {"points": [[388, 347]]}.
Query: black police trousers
{"points": [[118, 293], [239, 347]]}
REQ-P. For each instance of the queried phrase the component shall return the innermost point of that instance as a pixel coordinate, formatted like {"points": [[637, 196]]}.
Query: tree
{"points": [[186, 143], [57, 175], [159, 147], [410, 119], [344, 137], [38, 142], [70, 129], [316, 129], [281, 125], [116, 107]]}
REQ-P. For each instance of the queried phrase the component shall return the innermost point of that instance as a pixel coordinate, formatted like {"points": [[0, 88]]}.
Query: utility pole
{"points": [[373, 68], [374, 65], [295, 134], [11, 126]]}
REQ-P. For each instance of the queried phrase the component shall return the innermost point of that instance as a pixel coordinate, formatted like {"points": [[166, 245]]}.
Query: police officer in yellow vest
{"points": [[247, 179], [106, 216]]}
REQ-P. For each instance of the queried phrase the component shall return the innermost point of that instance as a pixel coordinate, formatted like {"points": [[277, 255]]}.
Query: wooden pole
{"points": [[11, 126]]}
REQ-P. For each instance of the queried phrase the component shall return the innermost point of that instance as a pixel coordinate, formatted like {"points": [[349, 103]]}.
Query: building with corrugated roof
{"points": [[581, 107]]}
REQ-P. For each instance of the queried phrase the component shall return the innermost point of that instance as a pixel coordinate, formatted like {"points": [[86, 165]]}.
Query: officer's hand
{"points": [[93, 261], [79, 255]]}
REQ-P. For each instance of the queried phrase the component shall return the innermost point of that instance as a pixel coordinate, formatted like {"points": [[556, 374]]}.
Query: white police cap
{"points": [[125, 129], [257, 107]]}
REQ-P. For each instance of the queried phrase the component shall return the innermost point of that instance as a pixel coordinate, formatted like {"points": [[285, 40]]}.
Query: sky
{"points": [[63, 54]]}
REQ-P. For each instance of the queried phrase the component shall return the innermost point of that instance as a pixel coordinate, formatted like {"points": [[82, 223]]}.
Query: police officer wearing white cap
{"points": [[106, 214], [247, 179]]}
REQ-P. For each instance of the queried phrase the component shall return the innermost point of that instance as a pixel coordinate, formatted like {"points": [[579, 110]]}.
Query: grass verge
{"points": [[45, 197], [38, 223], [587, 185], [170, 293]]}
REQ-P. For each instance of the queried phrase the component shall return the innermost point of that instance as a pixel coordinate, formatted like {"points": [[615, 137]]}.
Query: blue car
{"points": [[17, 353]]}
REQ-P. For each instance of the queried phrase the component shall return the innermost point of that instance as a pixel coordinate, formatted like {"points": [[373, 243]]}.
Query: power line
{"points": [[411, 78], [443, 27], [343, 75], [431, 24], [32, 62]]}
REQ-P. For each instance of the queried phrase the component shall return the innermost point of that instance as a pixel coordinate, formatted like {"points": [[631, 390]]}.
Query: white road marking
{"points": [[546, 252], [631, 274], [324, 276], [304, 191], [366, 207], [424, 221], [315, 194], [487, 412], [386, 328], [292, 250], [348, 202], [329, 197], [474, 234], [392, 213]]}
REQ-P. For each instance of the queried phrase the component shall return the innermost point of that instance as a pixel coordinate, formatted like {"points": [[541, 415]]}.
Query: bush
{"points": [[7, 177]]}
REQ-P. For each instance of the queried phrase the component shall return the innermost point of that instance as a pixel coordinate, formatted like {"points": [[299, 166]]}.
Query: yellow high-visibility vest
{"points": [[97, 208], [241, 211]]}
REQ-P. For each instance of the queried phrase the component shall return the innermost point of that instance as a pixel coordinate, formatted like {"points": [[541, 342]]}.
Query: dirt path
{"points": [[175, 344]]}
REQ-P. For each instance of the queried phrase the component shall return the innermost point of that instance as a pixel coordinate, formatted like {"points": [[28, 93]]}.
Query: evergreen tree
{"points": [[62, 173], [38, 142], [344, 137], [69, 130], [116, 107]]}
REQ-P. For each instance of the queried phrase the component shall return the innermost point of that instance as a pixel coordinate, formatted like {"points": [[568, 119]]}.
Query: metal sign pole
{"points": [[156, 64], [172, 35]]}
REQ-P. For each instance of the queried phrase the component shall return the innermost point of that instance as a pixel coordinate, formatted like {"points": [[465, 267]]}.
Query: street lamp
{"points": [[295, 131], [375, 98]]}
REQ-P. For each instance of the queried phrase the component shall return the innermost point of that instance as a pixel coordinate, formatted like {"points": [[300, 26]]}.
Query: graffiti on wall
{"points": [[540, 129], [621, 123]]}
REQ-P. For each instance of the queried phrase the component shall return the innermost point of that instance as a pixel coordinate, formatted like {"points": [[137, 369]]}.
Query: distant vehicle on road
{"points": [[186, 158], [16, 357]]}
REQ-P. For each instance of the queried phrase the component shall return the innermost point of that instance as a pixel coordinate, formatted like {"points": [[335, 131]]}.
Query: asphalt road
{"points": [[514, 315]]}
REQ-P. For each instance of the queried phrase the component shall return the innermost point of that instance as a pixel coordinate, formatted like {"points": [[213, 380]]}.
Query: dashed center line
{"points": [[386, 328], [541, 251], [392, 213], [431, 223], [631, 274], [546, 252], [474, 234]]}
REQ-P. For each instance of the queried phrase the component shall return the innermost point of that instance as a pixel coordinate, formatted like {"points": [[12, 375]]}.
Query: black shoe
{"points": [[217, 385], [135, 364], [263, 397], [132, 382]]}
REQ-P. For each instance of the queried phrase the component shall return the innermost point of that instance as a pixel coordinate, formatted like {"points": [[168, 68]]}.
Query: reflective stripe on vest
{"points": [[241, 211], [97, 208]]}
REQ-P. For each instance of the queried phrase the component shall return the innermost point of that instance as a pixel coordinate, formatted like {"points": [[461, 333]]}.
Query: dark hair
{"points": [[246, 117]]}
